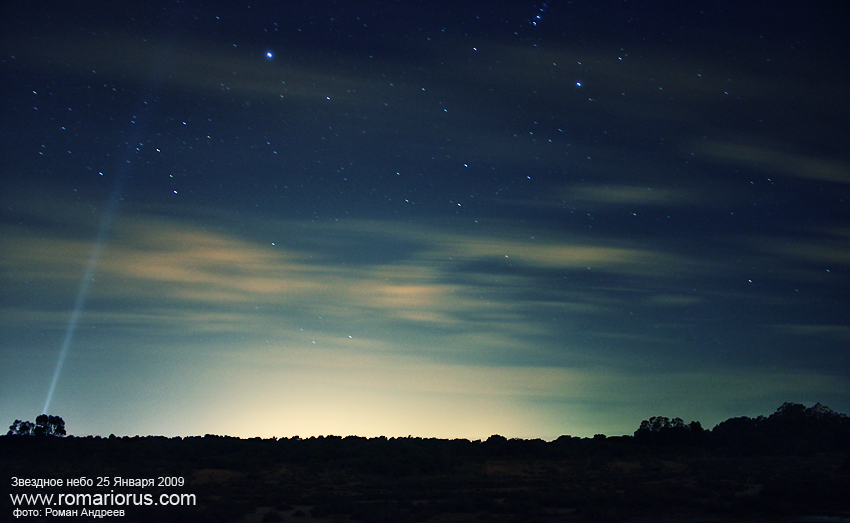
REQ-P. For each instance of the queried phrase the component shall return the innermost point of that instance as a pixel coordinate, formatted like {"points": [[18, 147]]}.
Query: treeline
{"points": [[792, 429]]}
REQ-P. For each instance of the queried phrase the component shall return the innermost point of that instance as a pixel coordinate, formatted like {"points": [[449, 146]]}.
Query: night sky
{"points": [[410, 218]]}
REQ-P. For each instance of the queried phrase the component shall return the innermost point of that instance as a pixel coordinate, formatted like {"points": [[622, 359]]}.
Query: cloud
{"points": [[831, 332], [677, 300], [778, 159], [230, 72], [503, 293], [476, 296], [624, 194], [825, 246]]}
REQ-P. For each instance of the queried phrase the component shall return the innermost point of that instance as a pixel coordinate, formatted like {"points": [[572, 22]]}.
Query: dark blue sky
{"points": [[369, 218]]}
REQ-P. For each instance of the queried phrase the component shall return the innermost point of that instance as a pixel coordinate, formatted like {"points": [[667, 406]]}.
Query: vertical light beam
{"points": [[82, 293]]}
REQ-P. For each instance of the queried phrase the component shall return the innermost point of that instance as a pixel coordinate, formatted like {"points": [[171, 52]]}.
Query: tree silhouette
{"points": [[44, 426], [49, 426], [665, 431], [658, 424], [21, 428]]}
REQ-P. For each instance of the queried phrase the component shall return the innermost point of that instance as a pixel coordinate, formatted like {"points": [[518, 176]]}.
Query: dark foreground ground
{"points": [[335, 479]]}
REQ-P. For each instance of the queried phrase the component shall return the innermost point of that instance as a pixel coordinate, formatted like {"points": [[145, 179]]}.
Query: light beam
{"points": [[83, 292]]}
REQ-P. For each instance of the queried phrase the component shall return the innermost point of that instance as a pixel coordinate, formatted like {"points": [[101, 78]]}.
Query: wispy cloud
{"points": [[488, 278], [835, 332], [634, 195], [778, 159]]}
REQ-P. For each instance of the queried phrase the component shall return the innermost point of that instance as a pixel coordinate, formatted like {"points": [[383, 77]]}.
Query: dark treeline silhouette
{"points": [[787, 463], [793, 429], [44, 425]]}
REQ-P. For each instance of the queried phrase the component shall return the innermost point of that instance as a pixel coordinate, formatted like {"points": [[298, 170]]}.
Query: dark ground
{"points": [[337, 479]]}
